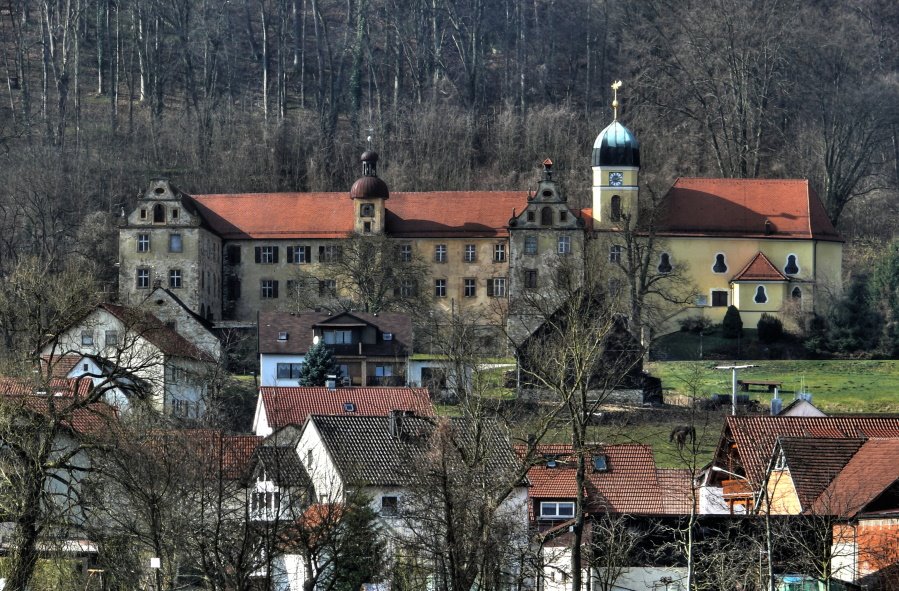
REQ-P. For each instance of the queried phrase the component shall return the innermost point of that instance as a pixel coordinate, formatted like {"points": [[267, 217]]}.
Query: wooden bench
{"points": [[745, 385]]}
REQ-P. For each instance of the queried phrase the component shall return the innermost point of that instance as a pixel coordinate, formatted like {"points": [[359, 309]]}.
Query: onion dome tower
{"points": [[369, 193], [616, 168]]}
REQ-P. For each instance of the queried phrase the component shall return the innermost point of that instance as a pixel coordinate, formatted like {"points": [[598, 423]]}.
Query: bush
{"points": [[732, 326], [770, 328], [696, 324]]}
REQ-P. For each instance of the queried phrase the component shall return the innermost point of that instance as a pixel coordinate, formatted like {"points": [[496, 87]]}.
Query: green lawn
{"points": [[837, 386]]}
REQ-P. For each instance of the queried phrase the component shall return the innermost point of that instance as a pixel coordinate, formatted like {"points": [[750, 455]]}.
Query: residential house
{"points": [[370, 349], [390, 458], [144, 351], [278, 407], [622, 483]]}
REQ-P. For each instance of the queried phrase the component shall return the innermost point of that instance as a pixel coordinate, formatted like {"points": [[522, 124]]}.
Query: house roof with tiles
{"points": [[754, 437], [628, 483], [152, 329], [760, 268], [369, 450], [871, 471], [280, 464], [55, 386], [299, 330], [814, 462], [95, 418], [434, 214], [292, 405], [746, 208], [232, 454]]}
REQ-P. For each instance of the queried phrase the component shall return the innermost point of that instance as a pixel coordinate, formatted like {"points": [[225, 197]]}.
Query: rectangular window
{"points": [[499, 253], [532, 216], [329, 253], [112, 338], [299, 255], [563, 216], [180, 408], [143, 214], [175, 278], [556, 510], [174, 213], [338, 337], [615, 253], [143, 278], [175, 244], [530, 245], [719, 298], [232, 254], [470, 288], [143, 243], [408, 288], [564, 244], [289, 371], [268, 289], [266, 255], [405, 253], [530, 278], [496, 287], [440, 288], [383, 371], [87, 338], [471, 253], [327, 287], [390, 505], [440, 253]]}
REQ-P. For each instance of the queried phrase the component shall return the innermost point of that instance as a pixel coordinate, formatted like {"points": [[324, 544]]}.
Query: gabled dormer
{"points": [[547, 207], [163, 205]]}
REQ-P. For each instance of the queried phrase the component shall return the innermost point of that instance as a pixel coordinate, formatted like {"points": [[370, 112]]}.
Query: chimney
{"points": [[331, 382]]}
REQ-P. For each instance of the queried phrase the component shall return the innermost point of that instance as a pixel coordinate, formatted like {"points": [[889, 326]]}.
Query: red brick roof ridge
{"points": [[764, 270]]}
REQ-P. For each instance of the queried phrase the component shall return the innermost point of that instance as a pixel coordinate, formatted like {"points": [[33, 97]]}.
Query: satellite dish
{"points": [[315, 340]]}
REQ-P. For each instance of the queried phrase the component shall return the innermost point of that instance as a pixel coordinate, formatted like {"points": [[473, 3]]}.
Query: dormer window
{"points": [[282, 336], [551, 462], [556, 510], [388, 336], [158, 214], [546, 216], [601, 463], [349, 407]]}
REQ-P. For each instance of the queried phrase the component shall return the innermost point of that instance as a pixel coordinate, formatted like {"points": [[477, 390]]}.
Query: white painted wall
{"points": [[268, 369]]}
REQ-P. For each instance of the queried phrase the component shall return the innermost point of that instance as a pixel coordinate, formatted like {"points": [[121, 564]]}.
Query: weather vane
{"points": [[615, 86]]}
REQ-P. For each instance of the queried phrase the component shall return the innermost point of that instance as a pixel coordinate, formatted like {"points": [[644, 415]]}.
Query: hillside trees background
{"points": [[263, 95]]}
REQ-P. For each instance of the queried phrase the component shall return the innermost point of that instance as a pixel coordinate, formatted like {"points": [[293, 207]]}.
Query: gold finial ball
{"points": [[615, 103]]}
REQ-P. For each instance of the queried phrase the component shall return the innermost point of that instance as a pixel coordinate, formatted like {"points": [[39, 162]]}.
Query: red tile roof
{"points": [[93, 419], [630, 485], [276, 216], [231, 453], [814, 462], [60, 387], [291, 405], [872, 469], [676, 485], [755, 436], [740, 208], [60, 365], [760, 268]]}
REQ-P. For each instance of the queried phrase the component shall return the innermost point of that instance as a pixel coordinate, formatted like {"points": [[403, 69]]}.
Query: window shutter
{"points": [[490, 288], [275, 287], [308, 250], [291, 254], [275, 250], [258, 253], [235, 254]]}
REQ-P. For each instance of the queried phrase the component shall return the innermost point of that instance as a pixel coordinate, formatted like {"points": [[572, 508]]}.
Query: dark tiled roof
{"points": [[291, 405], [299, 330], [760, 268], [630, 485], [814, 462], [282, 465], [156, 332], [365, 452], [755, 436], [233, 454], [740, 207], [873, 469]]}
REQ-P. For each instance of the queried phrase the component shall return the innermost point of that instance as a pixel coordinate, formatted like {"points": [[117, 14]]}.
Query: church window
{"points": [[792, 267], [720, 265], [615, 208], [440, 253], [796, 294], [760, 296], [158, 214], [471, 253], [530, 245], [719, 298], [665, 263], [367, 210], [564, 244], [546, 216], [615, 253]]}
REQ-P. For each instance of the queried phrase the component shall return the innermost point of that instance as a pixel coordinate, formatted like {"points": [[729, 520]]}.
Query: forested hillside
{"points": [[266, 95]]}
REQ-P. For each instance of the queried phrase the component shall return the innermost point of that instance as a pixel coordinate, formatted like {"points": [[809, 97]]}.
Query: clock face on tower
{"points": [[616, 179]]}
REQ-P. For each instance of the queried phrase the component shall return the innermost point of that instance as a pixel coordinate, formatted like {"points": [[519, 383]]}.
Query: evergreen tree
{"points": [[732, 325], [854, 324], [318, 365], [885, 293]]}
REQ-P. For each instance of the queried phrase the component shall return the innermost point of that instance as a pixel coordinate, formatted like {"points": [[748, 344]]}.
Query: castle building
{"points": [[761, 245]]}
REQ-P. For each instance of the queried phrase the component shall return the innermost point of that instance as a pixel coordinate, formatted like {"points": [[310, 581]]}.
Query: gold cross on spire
{"points": [[615, 86]]}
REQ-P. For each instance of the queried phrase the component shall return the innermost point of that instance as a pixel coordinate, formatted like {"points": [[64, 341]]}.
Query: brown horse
{"points": [[680, 433]]}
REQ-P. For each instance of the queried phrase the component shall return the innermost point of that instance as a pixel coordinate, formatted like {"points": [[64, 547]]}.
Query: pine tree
{"points": [[318, 365], [732, 325]]}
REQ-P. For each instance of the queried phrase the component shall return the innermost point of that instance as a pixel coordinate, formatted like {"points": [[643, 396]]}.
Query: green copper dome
{"points": [[616, 146]]}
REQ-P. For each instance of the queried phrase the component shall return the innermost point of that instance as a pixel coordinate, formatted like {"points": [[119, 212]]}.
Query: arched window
{"points": [[665, 263], [720, 266], [760, 296], [158, 214], [796, 294], [546, 216], [791, 268], [367, 210], [616, 208]]}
